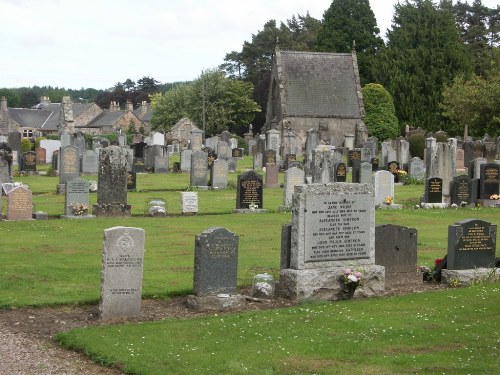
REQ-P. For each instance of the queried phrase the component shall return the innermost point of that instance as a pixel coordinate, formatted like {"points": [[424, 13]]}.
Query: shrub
{"points": [[417, 145], [37, 141], [380, 114], [25, 145]]}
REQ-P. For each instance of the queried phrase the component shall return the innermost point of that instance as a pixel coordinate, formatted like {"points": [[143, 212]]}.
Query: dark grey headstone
{"points": [[434, 190], [249, 190], [375, 164], [215, 262], [396, 250], [340, 172], [354, 157], [286, 246], [6, 160], [28, 161], [185, 160], [489, 181], [471, 244], [161, 164], [131, 181], [461, 190], [468, 156]]}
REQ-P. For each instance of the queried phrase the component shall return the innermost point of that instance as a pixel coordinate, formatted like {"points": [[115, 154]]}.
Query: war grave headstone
{"points": [[396, 250], [161, 164], [471, 252], [90, 162], [416, 169], [340, 172], [50, 145], [218, 174], [215, 271], [433, 190], [76, 201], [131, 181], [383, 182], [28, 162], [186, 160], [375, 163], [112, 183], [462, 191], [489, 182], [121, 275], [41, 155], [333, 228], [199, 169], [196, 140], [293, 176], [19, 204], [257, 160], [189, 202], [249, 195], [272, 175], [365, 173]]}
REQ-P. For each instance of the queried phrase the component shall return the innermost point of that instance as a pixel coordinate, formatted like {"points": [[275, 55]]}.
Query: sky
{"points": [[97, 43]]}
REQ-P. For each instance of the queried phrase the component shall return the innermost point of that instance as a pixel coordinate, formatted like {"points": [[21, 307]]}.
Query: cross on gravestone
{"points": [[121, 275], [215, 262], [249, 191], [19, 204], [434, 190], [471, 244]]}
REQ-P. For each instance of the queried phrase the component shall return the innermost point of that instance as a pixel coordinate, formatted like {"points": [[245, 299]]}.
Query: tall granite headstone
{"points": [[90, 162], [383, 181], [199, 169], [462, 191], [293, 176], [249, 191]]}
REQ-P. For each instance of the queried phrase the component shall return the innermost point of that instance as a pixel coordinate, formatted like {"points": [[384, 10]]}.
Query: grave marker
{"points": [[249, 191], [19, 204]]}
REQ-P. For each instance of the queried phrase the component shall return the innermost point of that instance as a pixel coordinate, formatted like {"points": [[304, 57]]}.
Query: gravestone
{"points": [[468, 155], [225, 136], [249, 191], [365, 173], [196, 140], [288, 159], [402, 151], [19, 204], [272, 176], [490, 151], [489, 182], [112, 183], [440, 159], [354, 157], [269, 157], [199, 170], [69, 167], [161, 164], [55, 160], [223, 150], [340, 172], [41, 155], [312, 141], [212, 142], [231, 166], [121, 275], [460, 159], [189, 202], [333, 228], [273, 141], [393, 167], [475, 168], [76, 201], [257, 160], [186, 160], [396, 250], [462, 191], [131, 181], [28, 161], [388, 152], [293, 176], [471, 244], [434, 190], [90, 162], [375, 163], [252, 146], [218, 174], [383, 182], [237, 153], [416, 169], [322, 166]]}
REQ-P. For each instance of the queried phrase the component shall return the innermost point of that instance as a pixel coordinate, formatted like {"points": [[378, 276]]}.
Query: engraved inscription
{"points": [[476, 239]]}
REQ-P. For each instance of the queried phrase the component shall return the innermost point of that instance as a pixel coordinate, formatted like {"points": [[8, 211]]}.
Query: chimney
{"points": [[3, 103], [129, 106], [113, 106], [44, 100]]}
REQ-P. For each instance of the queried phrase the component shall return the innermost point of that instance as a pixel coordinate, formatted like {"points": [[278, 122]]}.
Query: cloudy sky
{"points": [[97, 43]]}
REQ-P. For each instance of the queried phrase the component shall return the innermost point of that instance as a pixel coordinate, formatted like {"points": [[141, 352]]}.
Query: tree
{"points": [[380, 115], [424, 53], [13, 99], [228, 104], [148, 85], [347, 22]]}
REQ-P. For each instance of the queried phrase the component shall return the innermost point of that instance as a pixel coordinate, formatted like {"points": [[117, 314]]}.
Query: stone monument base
{"points": [[390, 206], [216, 303], [116, 210], [78, 217], [323, 283], [249, 211], [488, 202], [470, 276], [40, 215]]}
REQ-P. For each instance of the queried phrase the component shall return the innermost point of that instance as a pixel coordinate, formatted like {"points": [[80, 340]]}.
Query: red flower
{"points": [[437, 261]]}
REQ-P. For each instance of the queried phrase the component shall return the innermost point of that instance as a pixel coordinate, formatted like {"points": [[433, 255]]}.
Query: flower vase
{"points": [[350, 291]]}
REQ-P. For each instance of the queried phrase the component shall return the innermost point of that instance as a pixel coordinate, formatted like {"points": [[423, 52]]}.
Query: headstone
{"points": [[112, 183], [311, 143], [196, 140], [388, 152], [139, 166], [189, 202], [186, 160], [462, 191], [333, 227], [233, 143], [257, 160], [471, 244], [237, 153], [273, 141], [231, 166], [161, 164], [489, 182], [375, 162], [402, 151], [272, 176], [354, 157], [121, 275], [269, 157], [215, 262], [365, 173], [41, 155], [460, 159], [212, 142], [468, 154], [396, 250], [28, 161], [349, 141], [249, 191], [218, 174], [19, 204], [416, 169], [490, 151], [340, 172], [66, 139], [225, 136], [383, 181], [475, 168], [252, 146], [223, 150], [199, 169], [77, 199], [434, 190], [70, 164], [131, 181], [323, 166], [90, 162], [441, 161], [293, 176], [393, 167]]}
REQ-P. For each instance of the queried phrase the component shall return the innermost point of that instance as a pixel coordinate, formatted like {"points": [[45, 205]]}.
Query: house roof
{"points": [[106, 118], [319, 84], [144, 112]]}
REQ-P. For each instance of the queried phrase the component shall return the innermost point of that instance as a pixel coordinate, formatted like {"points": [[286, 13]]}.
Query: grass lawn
{"points": [[57, 262]]}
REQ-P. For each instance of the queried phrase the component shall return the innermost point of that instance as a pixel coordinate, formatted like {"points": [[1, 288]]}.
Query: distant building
{"points": [[315, 90], [181, 132]]}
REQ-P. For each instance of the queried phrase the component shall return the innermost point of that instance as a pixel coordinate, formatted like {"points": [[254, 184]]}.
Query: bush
{"points": [[26, 145], [37, 141], [417, 145], [380, 114]]}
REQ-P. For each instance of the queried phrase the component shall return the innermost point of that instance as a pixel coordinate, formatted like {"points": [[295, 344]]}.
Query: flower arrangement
{"points": [[432, 274], [389, 200], [495, 197], [252, 206], [402, 173], [350, 280], [79, 209]]}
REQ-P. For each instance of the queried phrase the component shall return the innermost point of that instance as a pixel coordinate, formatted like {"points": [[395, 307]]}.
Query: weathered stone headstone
{"points": [[218, 174], [196, 140], [223, 150], [375, 163], [252, 146], [462, 191], [311, 143], [322, 166], [333, 227], [186, 160], [76, 201], [199, 169], [273, 141], [402, 151], [490, 151], [257, 160], [69, 167], [434, 190], [189, 202], [112, 183], [489, 182], [396, 250], [19, 204], [90, 162], [121, 275], [161, 164], [471, 244], [272, 176], [475, 168], [460, 159], [468, 156], [388, 152], [293, 176], [440, 159], [249, 191], [383, 181], [41, 155], [416, 169], [365, 173], [354, 157]]}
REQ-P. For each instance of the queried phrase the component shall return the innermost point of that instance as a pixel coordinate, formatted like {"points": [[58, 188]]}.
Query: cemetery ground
{"points": [[50, 283]]}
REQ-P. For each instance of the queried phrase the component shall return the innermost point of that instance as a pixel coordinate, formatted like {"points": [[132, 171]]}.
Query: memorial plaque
{"points": [[19, 204], [434, 190], [337, 227], [249, 190], [189, 202], [215, 262], [461, 190], [489, 180], [340, 173], [471, 244], [121, 275]]}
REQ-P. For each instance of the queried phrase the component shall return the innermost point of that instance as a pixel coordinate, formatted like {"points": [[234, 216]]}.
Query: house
{"points": [[181, 132], [315, 90]]}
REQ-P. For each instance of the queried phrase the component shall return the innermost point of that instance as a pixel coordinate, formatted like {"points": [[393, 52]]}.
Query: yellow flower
{"points": [[389, 200]]}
